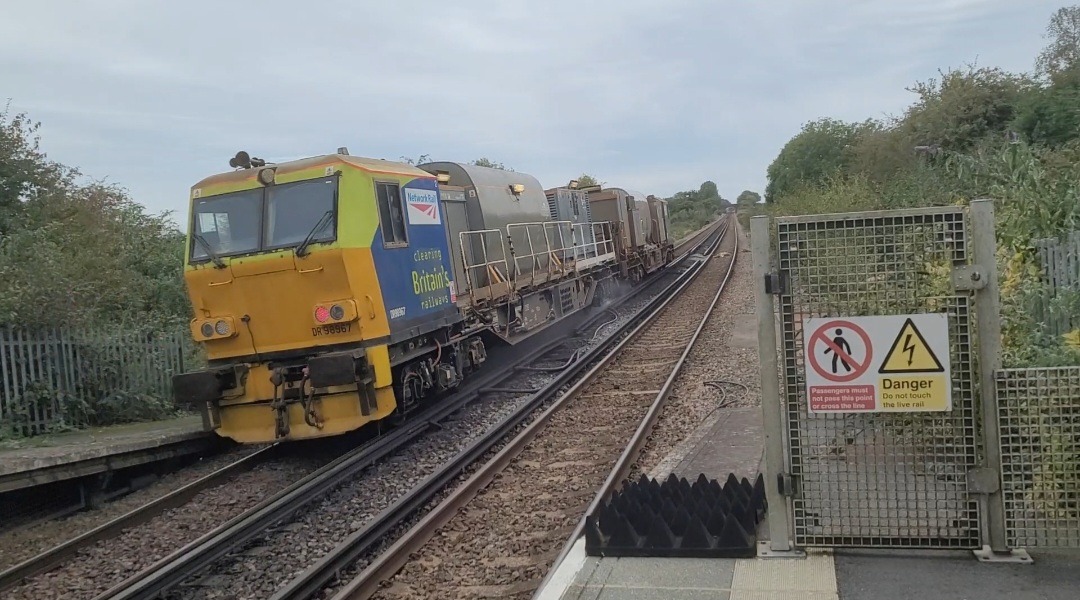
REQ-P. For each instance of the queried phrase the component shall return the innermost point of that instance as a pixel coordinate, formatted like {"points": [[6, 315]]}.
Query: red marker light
{"points": [[321, 314]]}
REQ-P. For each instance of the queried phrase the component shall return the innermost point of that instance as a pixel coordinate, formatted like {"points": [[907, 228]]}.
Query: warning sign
{"points": [[910, 353], [893, 363]]}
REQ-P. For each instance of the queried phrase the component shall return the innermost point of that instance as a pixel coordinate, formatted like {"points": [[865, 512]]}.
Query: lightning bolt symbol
{"points": [[910, 349]]}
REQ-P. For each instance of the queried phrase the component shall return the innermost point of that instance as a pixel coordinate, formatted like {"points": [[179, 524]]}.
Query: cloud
{"points": [[650, 95]]}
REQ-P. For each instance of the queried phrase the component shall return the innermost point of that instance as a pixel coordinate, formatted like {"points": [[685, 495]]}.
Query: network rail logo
{"points": [[423, 206]]}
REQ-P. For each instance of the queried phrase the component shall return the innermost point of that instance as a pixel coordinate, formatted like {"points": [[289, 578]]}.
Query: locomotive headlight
{"points": [[321, 314], [213, 328], [337, 312]]}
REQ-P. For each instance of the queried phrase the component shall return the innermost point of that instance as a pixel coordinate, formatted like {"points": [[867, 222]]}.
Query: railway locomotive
{"points": [[334, 291]]}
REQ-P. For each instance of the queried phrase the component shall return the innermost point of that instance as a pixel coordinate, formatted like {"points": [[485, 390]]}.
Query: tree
{"points": [[748, 198], [1063, 52], [484, 162], [26, 174], [963, 107], [822, 148], [708, 190], [423, 158], [1050, 116], [63, 243], [692, 209], [586, 180]]}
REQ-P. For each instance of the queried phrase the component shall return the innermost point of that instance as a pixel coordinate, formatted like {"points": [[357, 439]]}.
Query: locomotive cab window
{"points": [[296, 210], [263, 219], [229, 224], [391, 214]]}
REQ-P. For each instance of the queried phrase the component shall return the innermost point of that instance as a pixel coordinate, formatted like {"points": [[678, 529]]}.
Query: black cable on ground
{"points": [[717, 384]]}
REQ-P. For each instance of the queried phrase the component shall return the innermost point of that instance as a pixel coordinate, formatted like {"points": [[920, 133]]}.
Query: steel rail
{"points": [[633, 448], [363, 540], [177, 566], [188, 559], [389, 562], [57, 554], [704, 231]]}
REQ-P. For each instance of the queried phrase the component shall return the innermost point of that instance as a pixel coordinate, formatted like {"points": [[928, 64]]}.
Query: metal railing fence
{"points": [[63, 378]]}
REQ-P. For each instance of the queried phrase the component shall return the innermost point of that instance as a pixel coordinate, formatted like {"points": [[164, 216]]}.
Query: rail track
{"points": [[500, 530], [60, 553], [168, 573]]}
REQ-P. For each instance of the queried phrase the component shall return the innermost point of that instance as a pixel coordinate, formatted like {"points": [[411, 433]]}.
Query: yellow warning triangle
{"points": [[910, 353]]}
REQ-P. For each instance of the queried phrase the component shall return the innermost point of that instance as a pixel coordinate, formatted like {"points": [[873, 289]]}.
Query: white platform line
{"points": [[565, 572]]}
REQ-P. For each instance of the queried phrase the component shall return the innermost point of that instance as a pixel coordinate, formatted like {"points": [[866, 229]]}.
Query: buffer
{"points": [[910, 353]]}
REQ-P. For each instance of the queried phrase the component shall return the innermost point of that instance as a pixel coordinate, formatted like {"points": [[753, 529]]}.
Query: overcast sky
{"points": [[654, 96]]}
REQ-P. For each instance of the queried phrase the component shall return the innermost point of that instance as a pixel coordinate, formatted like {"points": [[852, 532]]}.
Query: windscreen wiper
{"points": [[301, 250], [209, 251]]}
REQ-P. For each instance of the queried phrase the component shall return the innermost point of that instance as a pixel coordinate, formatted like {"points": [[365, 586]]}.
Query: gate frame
{"points": [[981, 278]]}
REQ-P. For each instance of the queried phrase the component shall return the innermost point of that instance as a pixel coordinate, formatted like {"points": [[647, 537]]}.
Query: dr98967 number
{"points": [[331, 329]]}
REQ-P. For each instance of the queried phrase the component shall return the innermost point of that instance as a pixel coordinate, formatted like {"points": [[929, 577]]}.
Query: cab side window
{"points": [[391, 214]]}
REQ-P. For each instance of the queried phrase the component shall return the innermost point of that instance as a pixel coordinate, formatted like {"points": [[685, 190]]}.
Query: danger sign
{"points": [[887, 363]]}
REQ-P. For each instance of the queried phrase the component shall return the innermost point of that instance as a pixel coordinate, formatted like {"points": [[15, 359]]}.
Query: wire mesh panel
{"points": [[879, 479], [1040, 455]]}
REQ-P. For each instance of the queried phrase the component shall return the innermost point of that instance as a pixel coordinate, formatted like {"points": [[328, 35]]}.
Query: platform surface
{"points": [[97, 449], [812, 578], [884, 575], [732, 441], [839, 575]]}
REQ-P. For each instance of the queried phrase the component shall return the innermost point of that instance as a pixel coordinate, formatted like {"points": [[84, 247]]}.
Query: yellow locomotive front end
{"points": [[283, 270]]}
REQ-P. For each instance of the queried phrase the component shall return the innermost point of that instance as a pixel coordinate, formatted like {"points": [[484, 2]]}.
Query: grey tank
{"points": [[491, 204]]}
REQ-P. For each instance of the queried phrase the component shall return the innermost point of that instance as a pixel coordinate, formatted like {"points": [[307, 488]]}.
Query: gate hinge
{"points": [[968, 277], [776, 283], [982, 480], [786, 484]]}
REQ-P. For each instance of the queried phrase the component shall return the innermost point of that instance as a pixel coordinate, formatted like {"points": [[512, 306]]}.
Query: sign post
{"points": [[886, 363]]}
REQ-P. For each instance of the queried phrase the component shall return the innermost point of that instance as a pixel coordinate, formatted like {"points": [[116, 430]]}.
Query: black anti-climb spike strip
{"points": [[592, 532], [696, 537], [757, 499], [731, 480], [677, 517], [715, 524]]}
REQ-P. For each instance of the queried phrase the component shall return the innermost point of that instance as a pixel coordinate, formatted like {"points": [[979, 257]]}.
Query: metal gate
{"points": [[875, 479]]}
